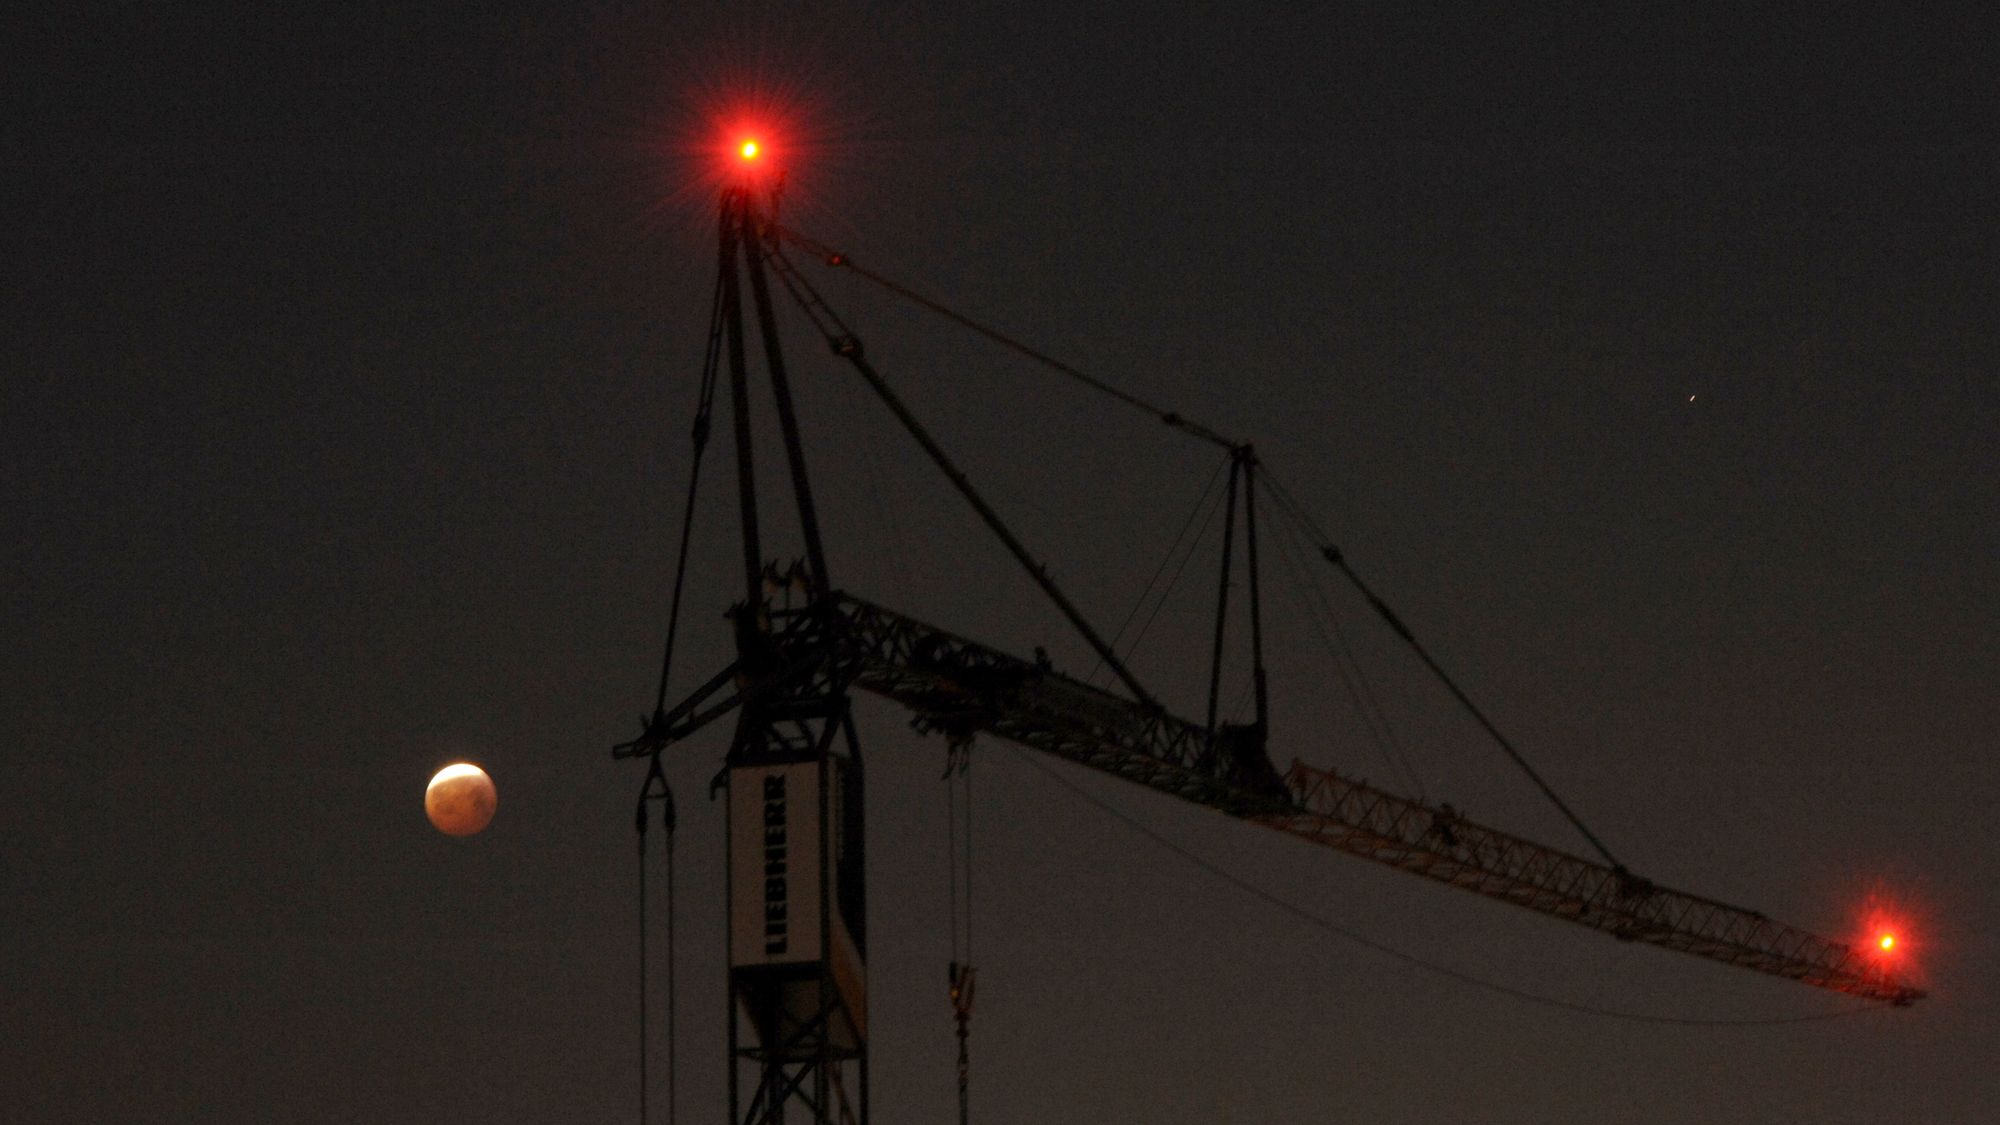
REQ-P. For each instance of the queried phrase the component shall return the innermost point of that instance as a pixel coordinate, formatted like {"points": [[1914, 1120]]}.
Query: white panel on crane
{"points": [[777, 885]]}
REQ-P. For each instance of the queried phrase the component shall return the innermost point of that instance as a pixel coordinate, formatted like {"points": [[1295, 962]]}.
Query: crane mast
{"points": [[797, 933]]}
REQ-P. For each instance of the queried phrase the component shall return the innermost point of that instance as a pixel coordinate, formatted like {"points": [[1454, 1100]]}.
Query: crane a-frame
{"points": [[798, 1029]]}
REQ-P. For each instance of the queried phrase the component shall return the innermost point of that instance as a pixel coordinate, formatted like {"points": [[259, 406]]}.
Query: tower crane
{"points": [[798, 1030]]}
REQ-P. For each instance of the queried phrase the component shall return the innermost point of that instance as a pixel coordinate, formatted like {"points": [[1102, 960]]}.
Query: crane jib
{"points": [[959, 687]]}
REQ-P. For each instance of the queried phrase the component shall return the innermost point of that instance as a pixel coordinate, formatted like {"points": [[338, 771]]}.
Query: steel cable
{"points": [[1333, 555], [1328, 926]]}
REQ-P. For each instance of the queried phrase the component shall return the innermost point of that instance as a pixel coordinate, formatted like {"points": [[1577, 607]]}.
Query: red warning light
{"points": [[1893, 935], [740, 143], [747, 159]]}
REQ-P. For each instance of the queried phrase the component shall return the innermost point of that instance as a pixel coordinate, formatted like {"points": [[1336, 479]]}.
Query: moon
{"points": [[461, 799]]}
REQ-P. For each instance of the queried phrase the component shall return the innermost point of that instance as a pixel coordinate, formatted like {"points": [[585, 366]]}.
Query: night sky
{"points": [[1644, 362]]}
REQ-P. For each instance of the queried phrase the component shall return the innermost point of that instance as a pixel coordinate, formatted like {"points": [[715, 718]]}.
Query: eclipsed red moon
{"points": [[461, 799]]}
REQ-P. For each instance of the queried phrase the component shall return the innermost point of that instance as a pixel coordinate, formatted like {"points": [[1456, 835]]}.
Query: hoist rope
{"points": [[665, 795], [644, 1045], [958, 804], [704, 411], [965, 857], [951, 851], [1326, 925], [673, 1040]]}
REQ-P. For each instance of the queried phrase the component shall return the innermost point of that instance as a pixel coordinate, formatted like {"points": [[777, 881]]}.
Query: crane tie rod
{"points": [[1333, 555], [847, 346], [839, 260], [703, 414]]}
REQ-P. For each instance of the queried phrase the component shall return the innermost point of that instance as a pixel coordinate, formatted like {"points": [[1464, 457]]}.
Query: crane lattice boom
{"points": [[959, 688]]}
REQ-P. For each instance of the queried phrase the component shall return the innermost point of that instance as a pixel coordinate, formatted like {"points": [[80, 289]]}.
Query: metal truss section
{"points": [[797, 1071], [959, 687], [1435, 842], [803, 1002]]}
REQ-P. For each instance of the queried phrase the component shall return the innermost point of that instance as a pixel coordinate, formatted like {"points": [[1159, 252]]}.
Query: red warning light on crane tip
{"points": [[749, 149], [1886, 943]]}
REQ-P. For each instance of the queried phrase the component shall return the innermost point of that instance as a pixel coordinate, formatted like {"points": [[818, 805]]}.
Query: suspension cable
{"points": [[1325, 625], [1201, 505], [1333, 555], [839, 260], [1222, 596], [1187, 557], [848, 347]]}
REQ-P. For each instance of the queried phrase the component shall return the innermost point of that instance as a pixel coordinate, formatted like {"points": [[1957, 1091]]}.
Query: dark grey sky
{"points": [[1645, 362]]}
